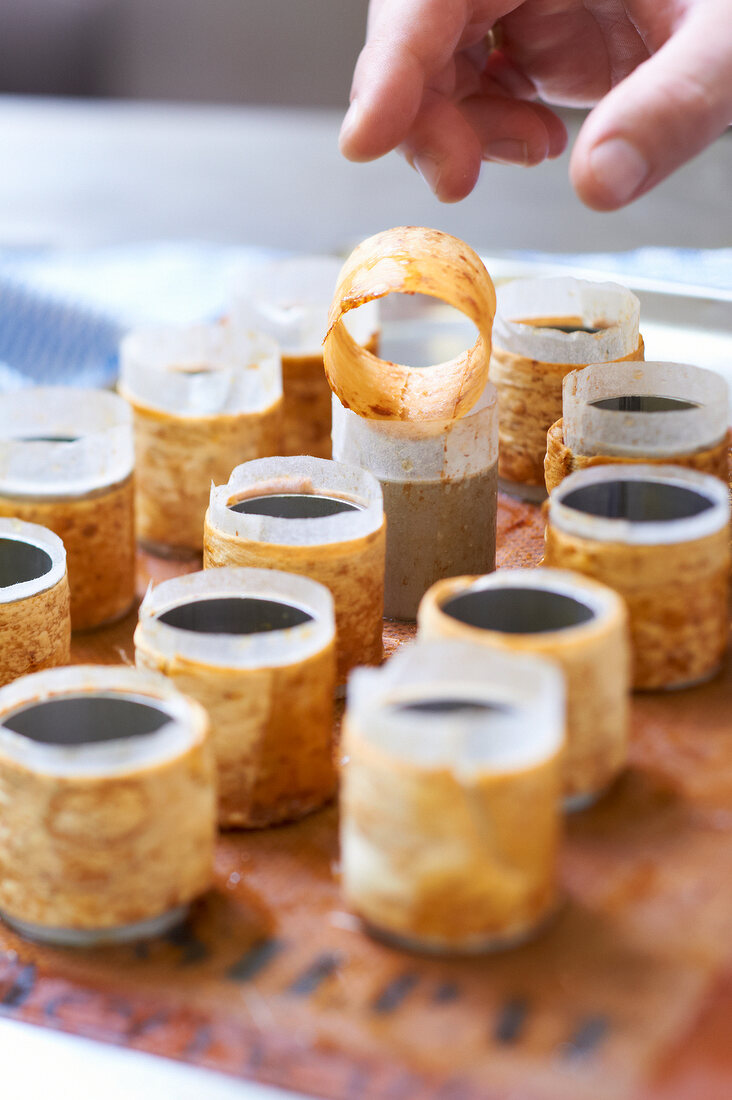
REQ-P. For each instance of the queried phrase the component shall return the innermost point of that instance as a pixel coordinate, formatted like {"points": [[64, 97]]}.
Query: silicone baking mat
{"points": [[626, 994]]}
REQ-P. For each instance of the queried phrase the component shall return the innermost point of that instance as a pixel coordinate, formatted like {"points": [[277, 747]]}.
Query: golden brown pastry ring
{"points": [[561, 461], [410, 260]]}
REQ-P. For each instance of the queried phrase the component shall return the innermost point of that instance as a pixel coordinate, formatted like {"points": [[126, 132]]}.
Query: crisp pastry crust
{"points": [[352, 570], [444, 863], [177, 458], [98, 533], [676, 596], [595, 660], [35, 632], [306, 404], [271, 732], [560, 460], [95, 852], [529, 402], [410, 260]]}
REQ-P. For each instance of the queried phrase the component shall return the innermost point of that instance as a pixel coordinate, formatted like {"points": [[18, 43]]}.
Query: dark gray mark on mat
{"points": [[392, 996], [446, 992], [587, 1038], [259, 955], [511, 1020], [321, 969], [23, 984]]}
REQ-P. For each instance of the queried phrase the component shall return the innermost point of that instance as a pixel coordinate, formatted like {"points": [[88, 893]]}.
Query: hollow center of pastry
{"points": [[86, 719], [49, 438], [517, 610], [643, 403], [295, 505], [420, 330], [567, 325], [235, 615], [451, 706], [638, 501], [22, 561]]}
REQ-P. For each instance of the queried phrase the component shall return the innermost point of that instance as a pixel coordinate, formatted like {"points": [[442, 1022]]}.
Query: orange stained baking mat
{"points": [[625, 995]]}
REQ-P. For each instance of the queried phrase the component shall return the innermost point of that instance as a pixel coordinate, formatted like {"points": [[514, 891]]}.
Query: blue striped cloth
{"points": [[44, 340], [62, 314]]}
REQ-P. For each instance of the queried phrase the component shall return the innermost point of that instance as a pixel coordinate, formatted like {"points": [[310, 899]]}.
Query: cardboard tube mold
{"points": [[580, 625], [204, 399], [316, 518], [439, 480], [450, 796], [66, 462], [256, 648], [35, 627], [543, 329], [658, 535], [108, 798], [289, 299], [640, 412]]}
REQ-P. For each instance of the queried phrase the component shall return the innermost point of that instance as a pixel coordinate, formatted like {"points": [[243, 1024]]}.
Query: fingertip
{"points": [[386, 95], [558, 136], [350, 139], [512, 151], [360, 140], [444, 149], [459, 183], [450, 182], [586, 186], [514, 131], [609, 174], [555, 131]]}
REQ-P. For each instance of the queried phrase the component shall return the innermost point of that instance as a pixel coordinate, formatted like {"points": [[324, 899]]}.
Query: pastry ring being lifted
{"points": [[410, 260]]}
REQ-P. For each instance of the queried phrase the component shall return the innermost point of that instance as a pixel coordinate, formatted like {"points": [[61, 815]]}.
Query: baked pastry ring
{"points": [[410, 260]]}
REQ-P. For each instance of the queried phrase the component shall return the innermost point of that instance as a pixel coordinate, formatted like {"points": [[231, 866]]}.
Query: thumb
{"points": [[668, 110]]}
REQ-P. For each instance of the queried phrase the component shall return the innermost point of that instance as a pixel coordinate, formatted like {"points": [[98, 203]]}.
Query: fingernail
{"points": [[350, 122], [428, 168], [619, 169], [507, 151]]}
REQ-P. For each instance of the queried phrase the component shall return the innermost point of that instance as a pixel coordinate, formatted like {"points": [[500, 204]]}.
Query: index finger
{"points": [[409, 42]]}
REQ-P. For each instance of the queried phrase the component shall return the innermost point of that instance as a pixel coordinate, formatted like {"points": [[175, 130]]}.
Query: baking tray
{"points": [[627, 995]]}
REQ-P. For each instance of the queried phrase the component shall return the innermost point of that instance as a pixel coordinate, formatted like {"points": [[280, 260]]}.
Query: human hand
{"points": [[660, 72]]}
